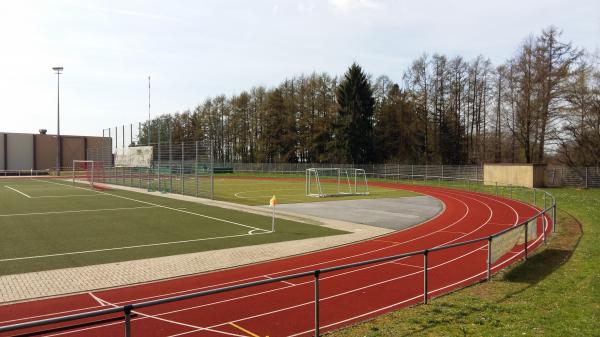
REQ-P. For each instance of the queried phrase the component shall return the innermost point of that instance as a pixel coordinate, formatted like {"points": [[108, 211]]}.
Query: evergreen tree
{"points": [[353, 128]]}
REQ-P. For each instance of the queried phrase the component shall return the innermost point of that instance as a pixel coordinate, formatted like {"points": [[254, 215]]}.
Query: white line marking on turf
{"points": [[16, 190], [77, 211], [66, 196], [127, 247], [163, 206]]}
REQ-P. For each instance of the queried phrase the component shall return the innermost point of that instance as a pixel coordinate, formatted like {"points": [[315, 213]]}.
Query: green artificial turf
{"points": [[555, 293], [49, 224], [250, 189]]}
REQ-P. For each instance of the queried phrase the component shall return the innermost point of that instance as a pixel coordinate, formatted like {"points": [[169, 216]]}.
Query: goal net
{"points": [[89, 171], [328, 182]]}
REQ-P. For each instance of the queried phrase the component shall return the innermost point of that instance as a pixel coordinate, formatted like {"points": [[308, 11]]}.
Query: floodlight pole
{"points": [[58, 72]]}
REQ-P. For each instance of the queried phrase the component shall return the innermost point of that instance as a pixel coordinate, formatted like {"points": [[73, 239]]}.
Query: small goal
{"points": [[89, 171], [330, 182]]}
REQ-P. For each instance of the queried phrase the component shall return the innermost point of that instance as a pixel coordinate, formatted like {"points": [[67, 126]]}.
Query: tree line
{"points": [[541, 105]]}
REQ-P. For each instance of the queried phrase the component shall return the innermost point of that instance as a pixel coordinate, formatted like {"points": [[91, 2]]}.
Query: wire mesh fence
{"points": [[184, 168]]}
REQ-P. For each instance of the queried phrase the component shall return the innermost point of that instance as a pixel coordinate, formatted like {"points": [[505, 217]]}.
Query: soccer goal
{"points": [[89, 171], [329, 182]]}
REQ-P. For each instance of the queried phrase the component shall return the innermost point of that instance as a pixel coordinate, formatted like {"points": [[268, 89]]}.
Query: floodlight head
{"points": [[57, 69]]}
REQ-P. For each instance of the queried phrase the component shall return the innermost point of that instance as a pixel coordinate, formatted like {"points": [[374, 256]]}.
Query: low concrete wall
{"points": [[526, 175]]}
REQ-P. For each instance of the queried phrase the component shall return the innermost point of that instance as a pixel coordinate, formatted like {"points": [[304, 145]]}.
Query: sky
{"points": [[193, 50]]}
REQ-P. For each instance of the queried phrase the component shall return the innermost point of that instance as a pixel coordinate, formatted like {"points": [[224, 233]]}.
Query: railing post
{"points": [[127, 310], [317, 272], [526, 230], [196, 169], [544, 226], [489, 259], [554, 216], [425, 280]]}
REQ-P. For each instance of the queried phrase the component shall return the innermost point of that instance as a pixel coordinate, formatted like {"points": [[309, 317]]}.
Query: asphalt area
{"points": [[391, 213]]}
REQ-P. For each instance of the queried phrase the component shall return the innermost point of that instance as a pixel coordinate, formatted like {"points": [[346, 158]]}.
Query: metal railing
{"points": [[23, 173], [128, 309]]}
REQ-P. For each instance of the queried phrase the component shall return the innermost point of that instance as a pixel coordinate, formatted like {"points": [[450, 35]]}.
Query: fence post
{"points": [[127, 310], [170, 161], [534, 196], [496, 188], [489, 259], [525, 246], [212, 172], [196, 169], [511, 194], [442, 172], [317, 272], [554, 216], [182, 168], [425, 281], [158, 165], [586, 177], [544, 225]]}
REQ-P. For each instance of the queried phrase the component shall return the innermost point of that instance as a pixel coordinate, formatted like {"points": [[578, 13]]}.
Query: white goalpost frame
{"points": [[93, 166], [353, 187]]}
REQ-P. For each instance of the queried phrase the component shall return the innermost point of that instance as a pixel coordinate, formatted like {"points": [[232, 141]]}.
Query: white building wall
{"points": [[20, 151], [1, 151]]}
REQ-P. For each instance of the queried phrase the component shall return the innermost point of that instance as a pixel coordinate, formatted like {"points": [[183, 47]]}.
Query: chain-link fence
{"points": [[183, 159], [183, 168]]}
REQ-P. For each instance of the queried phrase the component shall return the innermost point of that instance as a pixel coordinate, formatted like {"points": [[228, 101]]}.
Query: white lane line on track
{"points": [[495, 267], [195, 327], [322, 278], [100, 301], [16, 190], [408, 265], [286, 282], [77, 211], [452, 232], [158, 205], [433, 290], [276, 273]]}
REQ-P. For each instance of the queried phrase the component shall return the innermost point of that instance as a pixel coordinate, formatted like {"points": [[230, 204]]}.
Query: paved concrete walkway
{"points": [[81, 279]]}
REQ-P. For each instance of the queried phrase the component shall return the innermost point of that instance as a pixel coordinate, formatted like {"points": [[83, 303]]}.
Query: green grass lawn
{"points": [[48, 224], [555, 293]]}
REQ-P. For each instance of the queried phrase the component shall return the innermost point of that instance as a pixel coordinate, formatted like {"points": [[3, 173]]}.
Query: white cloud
{"points": [[305, 6], [348, 5]]}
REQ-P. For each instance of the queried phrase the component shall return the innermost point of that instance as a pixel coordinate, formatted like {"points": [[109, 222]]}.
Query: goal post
{"points": [[328, 182], [89, 171]]}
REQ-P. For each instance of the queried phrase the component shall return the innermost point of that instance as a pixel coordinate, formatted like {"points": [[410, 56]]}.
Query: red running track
{"points": [[287, 308]]}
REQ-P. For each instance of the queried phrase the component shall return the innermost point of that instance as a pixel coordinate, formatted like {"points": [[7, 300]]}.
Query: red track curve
{"points": [[286, 308]]}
